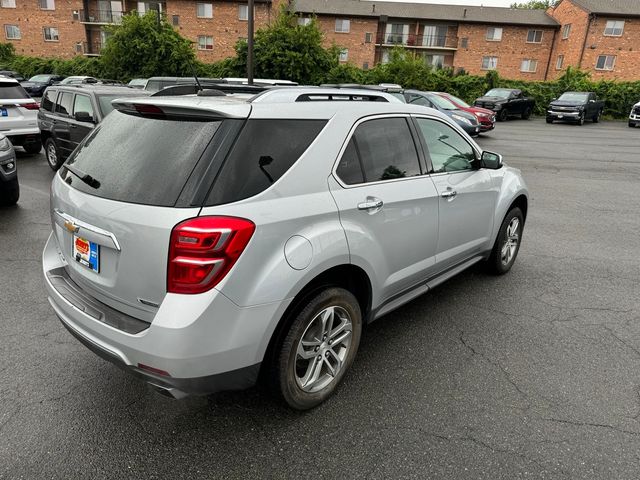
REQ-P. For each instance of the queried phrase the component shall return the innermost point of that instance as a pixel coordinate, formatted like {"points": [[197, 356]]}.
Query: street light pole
{"points": [[250, 43]]}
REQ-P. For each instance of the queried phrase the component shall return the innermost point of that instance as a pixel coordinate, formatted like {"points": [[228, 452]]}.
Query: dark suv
{"points": [[69, 112]]}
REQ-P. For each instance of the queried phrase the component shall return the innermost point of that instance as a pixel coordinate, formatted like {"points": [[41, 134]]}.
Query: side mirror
{"points": [[490, 160], [83, 117]]}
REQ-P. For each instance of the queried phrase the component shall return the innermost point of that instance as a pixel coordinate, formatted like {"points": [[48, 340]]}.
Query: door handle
{"points": [[371, 203], [449, 194]]}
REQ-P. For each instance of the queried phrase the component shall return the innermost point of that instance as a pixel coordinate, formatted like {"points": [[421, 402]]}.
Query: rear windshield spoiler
{"points": [[171, 112]]}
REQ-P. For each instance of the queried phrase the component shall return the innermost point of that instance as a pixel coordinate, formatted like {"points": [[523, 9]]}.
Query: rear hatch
{"points": [[12, 115], [139, 173]]}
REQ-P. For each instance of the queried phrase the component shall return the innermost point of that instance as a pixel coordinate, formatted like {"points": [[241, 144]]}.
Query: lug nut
{"points": [[319, 357], [326, 354], [317, 348]]}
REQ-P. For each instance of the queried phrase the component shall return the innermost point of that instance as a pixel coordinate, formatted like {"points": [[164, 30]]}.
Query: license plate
{"points": [[4, 112], [86, 253]]}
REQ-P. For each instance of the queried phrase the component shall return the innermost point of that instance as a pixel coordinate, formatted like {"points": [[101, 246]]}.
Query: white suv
{"points": [[199, 242], [19, 116]]}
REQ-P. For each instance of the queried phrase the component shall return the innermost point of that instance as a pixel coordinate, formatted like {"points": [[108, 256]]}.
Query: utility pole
{"points": [[250, 43]]}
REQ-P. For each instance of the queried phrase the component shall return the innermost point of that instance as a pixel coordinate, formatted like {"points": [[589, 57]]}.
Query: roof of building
{"points": [[426, 11], [611, 7]]}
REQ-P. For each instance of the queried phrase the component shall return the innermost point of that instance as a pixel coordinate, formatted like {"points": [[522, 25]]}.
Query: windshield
{"points": [[498, 92], [149, 168], [137, 81], [40, 78], [573, 97], [442, 102], [459, 101]]}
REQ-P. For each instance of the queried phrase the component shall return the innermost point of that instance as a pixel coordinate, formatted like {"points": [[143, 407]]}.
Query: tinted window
{"points": [[386, 149], [82, 103], [49, 100], [149, 167], [449, 152], [11, 90], [349, 169], [65, 103], [419, 100], [263, 152], [105, 103]]}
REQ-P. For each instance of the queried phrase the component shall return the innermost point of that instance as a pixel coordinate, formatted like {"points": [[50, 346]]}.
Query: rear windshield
{"points": [[105, 102], [263, 152], [11, 90], [139, 160]]}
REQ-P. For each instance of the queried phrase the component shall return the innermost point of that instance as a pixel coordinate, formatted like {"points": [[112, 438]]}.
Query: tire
{"points": [[632, 125], [549, 120], [502, 257], [52, 153], [292, 376], [33, 148], [596, 118], [526, 114], [9, 193], [581, 119], [503, 115]]}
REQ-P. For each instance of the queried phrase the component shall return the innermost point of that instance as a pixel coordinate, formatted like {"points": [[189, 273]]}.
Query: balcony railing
{"points": [[100, 16], [418, 41], [92, 48]]}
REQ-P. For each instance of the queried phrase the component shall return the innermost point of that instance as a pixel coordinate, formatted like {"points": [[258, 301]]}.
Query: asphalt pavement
{"points": [[534, 374]]}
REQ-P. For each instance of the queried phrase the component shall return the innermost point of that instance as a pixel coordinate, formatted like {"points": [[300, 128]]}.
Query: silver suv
{"points": [[227, 240], [19, 116]]}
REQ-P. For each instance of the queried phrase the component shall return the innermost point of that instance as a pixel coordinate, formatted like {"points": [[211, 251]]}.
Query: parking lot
{"points": [[534, 374]]}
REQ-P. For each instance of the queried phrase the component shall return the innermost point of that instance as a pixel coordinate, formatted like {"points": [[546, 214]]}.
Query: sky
{"points": [[475, 3]]}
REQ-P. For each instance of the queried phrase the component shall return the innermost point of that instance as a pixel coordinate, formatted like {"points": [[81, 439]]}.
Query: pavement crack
{"points": [[591, 424]]}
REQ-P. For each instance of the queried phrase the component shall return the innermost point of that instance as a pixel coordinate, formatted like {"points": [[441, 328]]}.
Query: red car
{"points": [[487, 118]]}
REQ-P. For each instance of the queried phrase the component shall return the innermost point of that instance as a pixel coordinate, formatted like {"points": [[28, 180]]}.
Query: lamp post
{"points": [[250, 21]]}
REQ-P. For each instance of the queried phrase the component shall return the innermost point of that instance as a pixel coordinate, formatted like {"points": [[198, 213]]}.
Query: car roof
{"points": [[97, 88], [6, 79]]}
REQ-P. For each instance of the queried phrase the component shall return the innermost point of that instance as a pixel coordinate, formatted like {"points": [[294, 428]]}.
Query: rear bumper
{"points": [[205, 343], [20, 136]]}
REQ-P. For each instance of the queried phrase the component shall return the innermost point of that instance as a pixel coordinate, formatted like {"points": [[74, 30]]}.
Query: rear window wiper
{"points": [[85, 177]]}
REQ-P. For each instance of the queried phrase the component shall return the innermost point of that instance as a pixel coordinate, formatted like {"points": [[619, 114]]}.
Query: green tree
{"points": [[535, 4], [289, 51], [146, 46]]}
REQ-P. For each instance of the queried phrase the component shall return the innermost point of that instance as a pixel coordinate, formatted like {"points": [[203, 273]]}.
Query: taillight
{"points": [[203, 250], [31, 106]]}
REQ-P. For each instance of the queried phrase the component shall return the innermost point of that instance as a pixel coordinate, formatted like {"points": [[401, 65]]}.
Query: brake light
{"points": [[31, 106], [202, 250]]}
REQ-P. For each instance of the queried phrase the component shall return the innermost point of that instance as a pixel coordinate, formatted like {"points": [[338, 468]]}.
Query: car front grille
{"points": [[636, 110]]}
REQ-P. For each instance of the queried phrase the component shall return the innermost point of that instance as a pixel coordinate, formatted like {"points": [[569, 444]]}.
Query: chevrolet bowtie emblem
{"points": [[72, 227]]}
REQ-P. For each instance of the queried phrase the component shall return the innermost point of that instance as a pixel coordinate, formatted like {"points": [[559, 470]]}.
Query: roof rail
{"points": [[384, 87], [340, 97], [209, 90]]}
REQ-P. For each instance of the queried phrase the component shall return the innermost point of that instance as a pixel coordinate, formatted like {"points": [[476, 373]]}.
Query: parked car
{"points": [[9, 187], [12, 74], [69, 112], [506, 102], [467, 121], [19, 116], [575, 107], [155, 84], [634, 116], [78, 80], [227, 238], [137, 83], [37, 84], [487, 118]]}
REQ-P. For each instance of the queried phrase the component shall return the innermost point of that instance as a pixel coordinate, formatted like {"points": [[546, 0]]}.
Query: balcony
{"points": [[444, 42], [100, 17], [91, 49]]}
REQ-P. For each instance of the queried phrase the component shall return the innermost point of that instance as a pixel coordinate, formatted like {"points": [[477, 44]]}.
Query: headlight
{"points": [[483, 115], [5, 144], [461, 119]]}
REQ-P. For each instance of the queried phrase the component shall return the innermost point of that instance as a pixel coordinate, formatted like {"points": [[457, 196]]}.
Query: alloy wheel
{"points": [[510, 246], [52, 155]]}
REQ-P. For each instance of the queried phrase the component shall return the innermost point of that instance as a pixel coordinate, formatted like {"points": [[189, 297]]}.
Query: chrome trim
{"points": [[69, 220]]}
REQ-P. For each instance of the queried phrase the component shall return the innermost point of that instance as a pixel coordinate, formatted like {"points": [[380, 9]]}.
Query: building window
{"points": [[175, 20], [205, 42], [144, 7], [559, 62], [534, 36], [397, 33], [344, 55], [494, 34], [204, 10], [566, 30], [50, 34], [243, 12], [304, 21], [606, 62], [529, 66], [12, 32], [464, 43], [8, 3], [47, 4], [614, 28], [368, 37], [365, 66], [343, 25], [489, 63], [436, 61]]}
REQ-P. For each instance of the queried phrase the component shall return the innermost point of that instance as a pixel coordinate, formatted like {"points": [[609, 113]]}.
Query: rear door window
{"points": [[49, 100], [149, 166], [264, 151], [12, 91], [65, 103]]}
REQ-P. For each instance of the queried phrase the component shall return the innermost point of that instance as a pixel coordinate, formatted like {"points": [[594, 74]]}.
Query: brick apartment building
{"points": [[600, 36]]}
